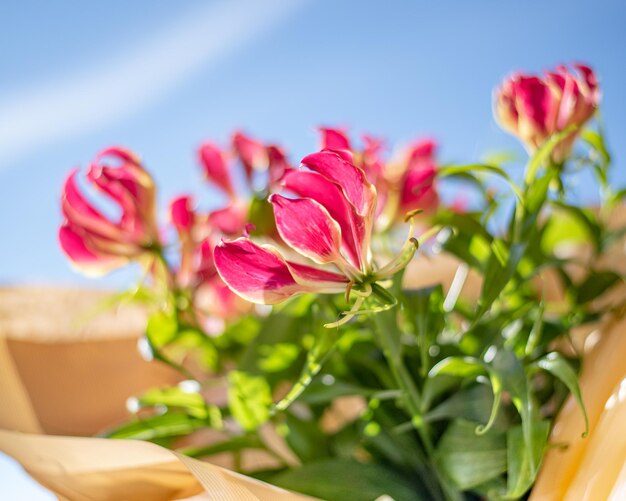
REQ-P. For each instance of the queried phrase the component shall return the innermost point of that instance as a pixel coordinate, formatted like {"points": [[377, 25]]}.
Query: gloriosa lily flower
{"points": [[403, 185], [211, 297], [330, 224], [534, 108], [218, 169], [95, 243]]}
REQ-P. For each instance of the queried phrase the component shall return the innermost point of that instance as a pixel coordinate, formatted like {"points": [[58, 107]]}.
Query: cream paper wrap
{"points": [[95, 469]]}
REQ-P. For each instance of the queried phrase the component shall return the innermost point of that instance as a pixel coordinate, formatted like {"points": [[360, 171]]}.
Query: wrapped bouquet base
{"points": [[77, 468], [94, 469]]}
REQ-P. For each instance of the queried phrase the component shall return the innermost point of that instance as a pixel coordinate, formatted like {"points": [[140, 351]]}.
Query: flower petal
{"points": [[418, 190], [215, 168], [318, 280], [81, 213], [357, 189], [257, 274], [334, 139], [182, 214], [230, 220], [250, 151], [278, 165], [307, 227], [315, 186], [82, 257]]}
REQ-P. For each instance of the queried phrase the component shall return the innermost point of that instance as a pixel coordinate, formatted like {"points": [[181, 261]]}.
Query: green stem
{"points": [[389, 340]]}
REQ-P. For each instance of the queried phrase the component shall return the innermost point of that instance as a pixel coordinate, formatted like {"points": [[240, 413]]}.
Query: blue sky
{"points": [[160, 77]]}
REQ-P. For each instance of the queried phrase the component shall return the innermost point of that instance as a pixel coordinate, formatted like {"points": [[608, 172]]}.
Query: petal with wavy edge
{"points": [[256, 273], [306, 226], [357, 189], [315, 186]]}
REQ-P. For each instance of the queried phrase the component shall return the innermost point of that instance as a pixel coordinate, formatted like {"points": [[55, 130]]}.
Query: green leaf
{"points": [[249, 399], [236, 444], [522, 460], [584, 217], [555, 364], [536, 196], [319, 392], [596, 141], [451, 170], [515, 383], [563, 227], [544, 152], [174, 397], [468, 459], [155, 427], [471, 404], [342, 479], [471, 368], [595, 285], [501, 267], [465, 367], [277, 357], [162, 328], [425, 314], [305, 438]]}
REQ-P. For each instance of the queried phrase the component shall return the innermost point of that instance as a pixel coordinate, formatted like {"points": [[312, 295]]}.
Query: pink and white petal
{"points": [[316, 280], [81, 213], [307, 227], [278, 165], [182, 214], [334, 139], [312, 185], [82, 258], [215, 168], [258, 274], [230, 220], [355, 186], [250, 151]]}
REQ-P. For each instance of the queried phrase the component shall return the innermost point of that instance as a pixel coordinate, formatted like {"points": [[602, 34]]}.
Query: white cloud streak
{"points": [[111, 90]]}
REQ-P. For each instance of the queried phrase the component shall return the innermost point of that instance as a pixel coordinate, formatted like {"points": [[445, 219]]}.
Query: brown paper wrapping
{"points": [[65, 369], [53, 384]]}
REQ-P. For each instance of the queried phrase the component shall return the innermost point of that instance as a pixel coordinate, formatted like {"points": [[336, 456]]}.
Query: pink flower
{"points": [[417, 183], [535, 108], [401, 187], [210, 295], [328, 227], [96, 243]]}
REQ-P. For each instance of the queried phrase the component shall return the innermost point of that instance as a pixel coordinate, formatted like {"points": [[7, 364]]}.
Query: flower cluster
{"points": [[403, 184], [329, 224], [318, 237]]}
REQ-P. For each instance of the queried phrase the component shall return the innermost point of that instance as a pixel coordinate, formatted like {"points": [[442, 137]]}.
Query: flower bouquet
{"points": [[370, 326]]}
